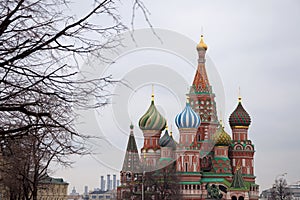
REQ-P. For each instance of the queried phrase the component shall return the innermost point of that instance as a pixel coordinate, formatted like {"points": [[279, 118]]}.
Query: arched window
{"points": [[233, 198], [238, 147], [248, 148], [241, 198]]}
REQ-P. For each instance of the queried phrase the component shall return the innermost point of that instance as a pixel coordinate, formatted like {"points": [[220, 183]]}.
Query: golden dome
{"points": [[201, 44], [221, 138]]}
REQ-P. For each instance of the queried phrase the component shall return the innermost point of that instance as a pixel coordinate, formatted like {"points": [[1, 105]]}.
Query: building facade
{"points": [[52, 189], [288, 192], [209, 163]]}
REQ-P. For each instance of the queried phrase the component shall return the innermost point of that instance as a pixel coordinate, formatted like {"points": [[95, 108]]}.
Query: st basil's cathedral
{"points": [[208, 163]]}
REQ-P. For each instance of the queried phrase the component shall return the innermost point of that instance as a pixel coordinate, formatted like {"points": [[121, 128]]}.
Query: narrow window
{"points": [[186, 167]]}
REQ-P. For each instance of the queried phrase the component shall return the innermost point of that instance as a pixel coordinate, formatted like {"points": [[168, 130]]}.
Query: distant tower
{"points": [[151, 123], [86, 190], [73, 192], [108, 182], [114, 182], [86, 193], [102, 186]]}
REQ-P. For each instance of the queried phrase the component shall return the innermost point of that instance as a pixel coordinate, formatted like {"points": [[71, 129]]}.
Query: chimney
{"points": [[86, 192], [114, 182], [108, 182], [102, 184]]}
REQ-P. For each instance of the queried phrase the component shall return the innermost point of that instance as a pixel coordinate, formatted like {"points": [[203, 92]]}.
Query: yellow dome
{"points": [[201, 44], [221, 138]]}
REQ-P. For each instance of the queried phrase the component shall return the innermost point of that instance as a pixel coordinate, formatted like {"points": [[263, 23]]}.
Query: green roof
{"points": [[238, 181], [207, 174], [132, 159], [49, 180], [189, 183], [221, 158]]}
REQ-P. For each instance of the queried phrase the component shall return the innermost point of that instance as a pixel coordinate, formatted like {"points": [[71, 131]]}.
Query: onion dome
{"points": [[171, 143], [152, 119], [221, 138], [201, 44], [167, 140], [188, 118], [239, 117], [164, 140]]}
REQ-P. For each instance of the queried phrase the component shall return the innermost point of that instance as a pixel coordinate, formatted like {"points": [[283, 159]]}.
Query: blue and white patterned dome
{"points": [[188, 118]]}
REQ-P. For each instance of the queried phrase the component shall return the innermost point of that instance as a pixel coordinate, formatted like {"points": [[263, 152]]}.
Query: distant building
{"points": [[53, 189], [49, 188], [98, 194], [294, 189], [74, 195]]}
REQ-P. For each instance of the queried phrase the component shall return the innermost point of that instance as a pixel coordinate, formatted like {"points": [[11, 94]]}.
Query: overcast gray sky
{"points": [[254, 45]]}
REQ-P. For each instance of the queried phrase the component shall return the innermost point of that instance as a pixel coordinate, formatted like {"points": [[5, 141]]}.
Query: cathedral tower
{"points": [[187, 155], [187, 122], [151, 123], [242, 149], [221, 163], [202, 98], [131, 163], [203, 102]]}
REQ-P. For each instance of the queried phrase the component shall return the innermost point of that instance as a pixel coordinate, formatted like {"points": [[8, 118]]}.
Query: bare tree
{"points": [[163, 183], [280, 190], [27, 159], [41, 45], [39, 52]]}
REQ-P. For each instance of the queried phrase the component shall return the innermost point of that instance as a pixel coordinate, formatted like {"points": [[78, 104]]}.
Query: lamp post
{"points": [[139, 177], [143, 176]]}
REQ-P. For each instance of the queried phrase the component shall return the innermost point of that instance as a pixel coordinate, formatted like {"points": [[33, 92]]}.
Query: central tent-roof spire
{"points": [[201, 83]]}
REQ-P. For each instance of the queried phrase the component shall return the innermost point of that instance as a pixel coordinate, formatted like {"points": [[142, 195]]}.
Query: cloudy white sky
{"points": [[254, 45]]}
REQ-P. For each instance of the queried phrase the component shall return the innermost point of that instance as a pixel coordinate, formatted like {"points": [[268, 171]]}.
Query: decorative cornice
{"points": [[240, 127]]}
